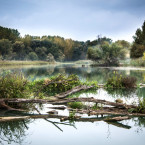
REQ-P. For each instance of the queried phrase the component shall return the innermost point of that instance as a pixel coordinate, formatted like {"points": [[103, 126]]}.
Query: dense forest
{"points": [[138, 47], [15, 47]]}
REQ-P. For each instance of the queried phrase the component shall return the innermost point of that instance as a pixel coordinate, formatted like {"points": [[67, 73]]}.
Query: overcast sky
{"points": [[77, 19]]}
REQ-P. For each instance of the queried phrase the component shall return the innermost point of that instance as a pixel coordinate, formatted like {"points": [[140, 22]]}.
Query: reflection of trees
{"points": [[121, 92], [139, 75], [13, 131], [140, 92], [89, 73], [139, 122]]}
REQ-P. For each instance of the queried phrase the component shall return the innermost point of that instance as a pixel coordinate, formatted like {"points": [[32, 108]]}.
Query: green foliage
{"points": [[123, 43], [62, 49], [137, 62], [13, 85], [97, 106], [5, 48], [10, 34], [32, 56], [18, 48], [90, 83], [137, 50], [119, 81], [138, 46], [141, 106], [72, 116], [50, 58], [107, 54], [56, 84], [100, 40], [76, 105]]}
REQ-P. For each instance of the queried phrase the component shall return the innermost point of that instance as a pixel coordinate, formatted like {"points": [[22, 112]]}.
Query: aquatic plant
{"points": [[119, 81], [56, 84], [141, 106], [76, 105]]}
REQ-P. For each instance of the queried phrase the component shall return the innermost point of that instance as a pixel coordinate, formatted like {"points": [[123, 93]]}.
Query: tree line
{"points": [[14, 47], [102, 49]]}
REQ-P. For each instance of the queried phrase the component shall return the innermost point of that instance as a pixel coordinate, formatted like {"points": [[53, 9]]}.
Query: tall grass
{"points": [[13, 85], [3, 63]]}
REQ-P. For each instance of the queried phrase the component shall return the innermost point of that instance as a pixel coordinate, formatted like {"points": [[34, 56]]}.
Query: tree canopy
{"points": [[106, 54], [138, 47]]}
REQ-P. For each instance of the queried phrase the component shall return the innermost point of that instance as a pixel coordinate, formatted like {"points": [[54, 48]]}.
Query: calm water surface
{"points": [[53, 132]]}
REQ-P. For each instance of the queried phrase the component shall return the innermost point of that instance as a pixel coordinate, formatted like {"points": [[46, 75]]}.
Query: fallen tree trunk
{"points": [[65, 101], [119, 105], [44, 116], [72, 91], [6, 107]]}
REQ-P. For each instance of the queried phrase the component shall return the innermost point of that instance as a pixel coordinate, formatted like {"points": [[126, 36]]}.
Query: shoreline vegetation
{"points": [[24, 62], [52, 49], [19, 94], [140, 62], [8, 63]]}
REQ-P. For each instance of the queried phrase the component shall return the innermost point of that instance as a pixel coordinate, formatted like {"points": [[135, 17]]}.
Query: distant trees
{"points": [[138, 47], [50, 58], [5, 48], [18, 48], [100, 40], [12, 46], [32, 56], [10, 34], [106, 54]]}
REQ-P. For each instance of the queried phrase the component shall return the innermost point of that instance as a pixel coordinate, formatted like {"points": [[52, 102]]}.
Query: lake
{"points": [[91, 132]]}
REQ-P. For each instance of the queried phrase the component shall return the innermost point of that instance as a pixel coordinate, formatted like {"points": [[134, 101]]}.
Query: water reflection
{"points": [[36, 131], [13, 131], [83, 132], [99, 74]]}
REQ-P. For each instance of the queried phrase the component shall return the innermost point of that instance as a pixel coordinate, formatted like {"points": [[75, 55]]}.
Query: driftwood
{"points": [[58, 108], [38, 116], [6, 107], [119, 105], [65, 101], [64, 118], [73, 90]]}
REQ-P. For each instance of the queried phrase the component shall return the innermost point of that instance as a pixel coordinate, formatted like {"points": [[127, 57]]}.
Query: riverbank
{"points": [[9, 63]]}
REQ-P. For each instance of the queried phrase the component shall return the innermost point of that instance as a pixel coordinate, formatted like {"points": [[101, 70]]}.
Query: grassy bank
{"points": [[9, 63]]}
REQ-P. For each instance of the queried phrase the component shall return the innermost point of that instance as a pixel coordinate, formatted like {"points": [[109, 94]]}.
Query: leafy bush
{"points": [[119, 81], [138, 62], [129, 82], [13, 85], [57, 84]]}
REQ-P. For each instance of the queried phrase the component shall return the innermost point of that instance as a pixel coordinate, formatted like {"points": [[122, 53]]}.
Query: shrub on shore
{"points": [[13, 85], [56, 84], [119, 81], [140, 62]]}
